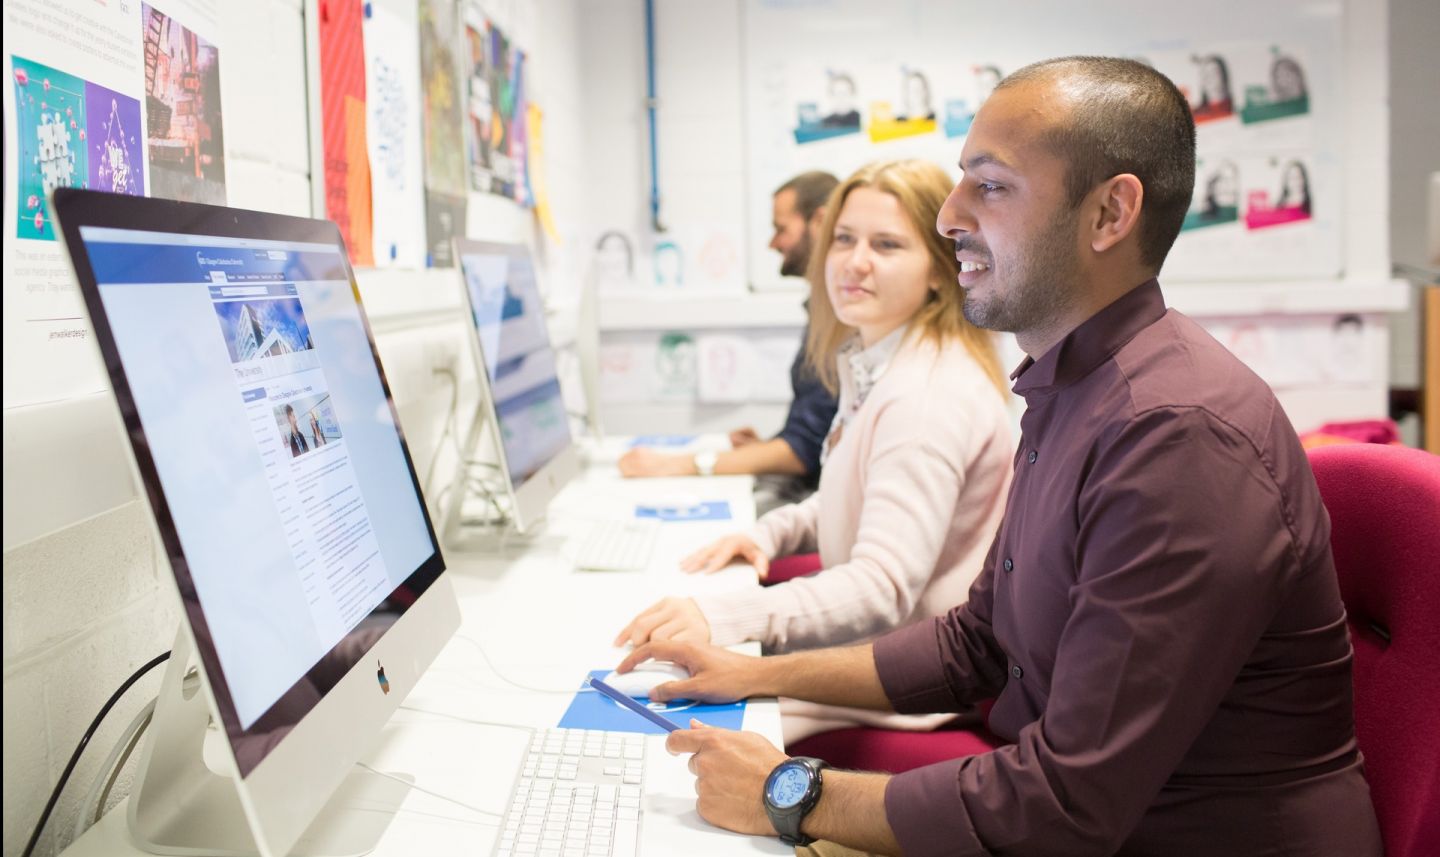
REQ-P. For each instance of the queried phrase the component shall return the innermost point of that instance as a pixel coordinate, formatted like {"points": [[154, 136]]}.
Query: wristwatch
{"points": [[791, 791], [705, 463]]}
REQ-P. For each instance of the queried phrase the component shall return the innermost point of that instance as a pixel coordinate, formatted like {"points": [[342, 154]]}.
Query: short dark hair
{"points": [[1126, 117], [812, 190]]}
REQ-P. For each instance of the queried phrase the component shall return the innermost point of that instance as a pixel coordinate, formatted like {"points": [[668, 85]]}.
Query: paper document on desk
{"points": [[710, 510], [667, 440], [592, 710]]}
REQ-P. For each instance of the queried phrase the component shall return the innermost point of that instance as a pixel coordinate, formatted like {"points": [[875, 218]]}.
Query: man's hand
{"points": [[730, 770], [717, 555], [743, 437], [716, 674], [648, 462], [667, 619]]}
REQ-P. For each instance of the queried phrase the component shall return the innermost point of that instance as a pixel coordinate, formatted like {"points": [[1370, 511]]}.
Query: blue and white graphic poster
{"points": [[593, 710]]}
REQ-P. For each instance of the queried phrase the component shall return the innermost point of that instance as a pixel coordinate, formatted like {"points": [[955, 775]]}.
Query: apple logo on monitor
{"points": [[380, 677]]}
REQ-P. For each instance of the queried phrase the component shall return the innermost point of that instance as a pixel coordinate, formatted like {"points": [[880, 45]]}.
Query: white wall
{"points": [[86, 603], [1414, 157], [700, 64]]}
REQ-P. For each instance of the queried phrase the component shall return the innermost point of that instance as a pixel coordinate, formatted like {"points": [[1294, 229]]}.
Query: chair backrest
{"points": [[1384, 505]]}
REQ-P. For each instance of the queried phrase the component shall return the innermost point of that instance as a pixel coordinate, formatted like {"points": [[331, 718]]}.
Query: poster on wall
{"points": [[392, 135], [185, 131], [135, 109], [445, 180], [495, 109], [1266, 198], [345, 155], [857, 84]]}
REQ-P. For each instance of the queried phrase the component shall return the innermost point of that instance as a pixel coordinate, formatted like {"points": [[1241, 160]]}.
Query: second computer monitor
{"points": [[517, 368]]}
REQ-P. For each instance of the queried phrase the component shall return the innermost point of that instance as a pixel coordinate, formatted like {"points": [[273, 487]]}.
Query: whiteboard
{"points": [[833, 84]]}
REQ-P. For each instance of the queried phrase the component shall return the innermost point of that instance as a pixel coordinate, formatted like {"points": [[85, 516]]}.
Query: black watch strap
{"points": [[787, 822]]}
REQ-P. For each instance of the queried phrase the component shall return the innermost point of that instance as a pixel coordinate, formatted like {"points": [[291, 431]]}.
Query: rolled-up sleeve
{"points": [[1178, 571]]}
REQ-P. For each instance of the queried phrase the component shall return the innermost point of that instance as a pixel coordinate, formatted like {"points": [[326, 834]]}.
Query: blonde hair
{"points": [[921, 188]]}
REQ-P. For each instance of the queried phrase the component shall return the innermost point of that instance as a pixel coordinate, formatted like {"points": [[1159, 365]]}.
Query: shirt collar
{"points": [[868, 364], [1092, 343]]}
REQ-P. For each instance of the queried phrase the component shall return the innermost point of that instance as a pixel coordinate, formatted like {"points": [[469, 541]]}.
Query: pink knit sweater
{"points": [[908, 503]]}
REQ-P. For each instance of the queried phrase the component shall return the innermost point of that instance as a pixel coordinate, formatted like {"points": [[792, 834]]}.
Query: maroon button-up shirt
{"points": [[1159, 618]]}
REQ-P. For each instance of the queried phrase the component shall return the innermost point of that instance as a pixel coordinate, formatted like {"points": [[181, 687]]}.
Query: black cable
{"points": [[80, 748]]}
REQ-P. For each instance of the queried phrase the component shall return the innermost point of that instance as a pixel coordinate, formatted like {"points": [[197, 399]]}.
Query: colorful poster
{"points": [[50, 112], [960, 112], [106, 96], [185, 131], [1280, 193], [445, 182], [392, 133], [911, 114], [832, 114], [498, 115], [346, 167], [1217, 194], [1281, 94]]}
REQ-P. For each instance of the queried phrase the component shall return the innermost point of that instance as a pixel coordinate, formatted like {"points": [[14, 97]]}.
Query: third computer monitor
{"points": [[520, 384]]}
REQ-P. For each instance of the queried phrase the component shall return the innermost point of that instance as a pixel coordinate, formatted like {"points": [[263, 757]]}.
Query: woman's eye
{"points": [[844, 239], [988, 188]]}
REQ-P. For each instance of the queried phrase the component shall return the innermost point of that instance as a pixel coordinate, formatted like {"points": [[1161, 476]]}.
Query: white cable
{"points": [[463, 719], [93, 805], [491, 664], [422, 789]]}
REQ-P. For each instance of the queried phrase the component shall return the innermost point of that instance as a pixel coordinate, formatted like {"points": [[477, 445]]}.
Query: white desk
{"points": [[528, 617]]}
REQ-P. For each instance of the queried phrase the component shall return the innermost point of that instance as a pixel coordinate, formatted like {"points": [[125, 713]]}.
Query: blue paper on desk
{"points": [[592, 710], [671, 440], [710, 510]]}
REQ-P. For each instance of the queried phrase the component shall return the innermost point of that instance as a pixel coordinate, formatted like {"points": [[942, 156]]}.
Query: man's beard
{"points": [[797, 260], [1039, 289]]}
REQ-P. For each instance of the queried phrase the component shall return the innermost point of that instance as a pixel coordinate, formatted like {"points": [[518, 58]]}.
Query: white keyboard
{"points": [[618, 545], [578, 794]]}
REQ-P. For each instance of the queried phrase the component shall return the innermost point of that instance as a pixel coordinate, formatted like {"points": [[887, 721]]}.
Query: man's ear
{"points": [[1114, 210], [817, 220]]}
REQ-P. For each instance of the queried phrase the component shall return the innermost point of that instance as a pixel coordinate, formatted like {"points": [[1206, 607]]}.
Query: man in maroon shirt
{"points": [[1158, 618]]}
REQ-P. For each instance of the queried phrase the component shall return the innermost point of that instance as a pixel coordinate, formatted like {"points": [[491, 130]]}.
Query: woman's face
{"points": [[1225, 188], [612, 259], [1288, 82], [917, 97], [1295, 190], [1212, 81], [877, 271]]}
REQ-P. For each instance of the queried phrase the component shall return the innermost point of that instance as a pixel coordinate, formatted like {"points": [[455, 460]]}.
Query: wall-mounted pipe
{"points": [[650, 103]]}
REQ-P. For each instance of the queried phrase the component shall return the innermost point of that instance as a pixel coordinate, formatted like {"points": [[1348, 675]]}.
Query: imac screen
{"points": [[519, 362], [251, 386]]}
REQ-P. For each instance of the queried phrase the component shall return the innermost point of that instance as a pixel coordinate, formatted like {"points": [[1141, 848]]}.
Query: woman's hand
{"points": [[667, 619], [716, 556]]}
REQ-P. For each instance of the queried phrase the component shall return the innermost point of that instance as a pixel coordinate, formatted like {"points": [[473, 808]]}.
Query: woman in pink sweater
{"points": [[918, 460]]}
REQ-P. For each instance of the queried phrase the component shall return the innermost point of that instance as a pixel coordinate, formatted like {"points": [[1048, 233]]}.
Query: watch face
{"points": [[788, 786]]}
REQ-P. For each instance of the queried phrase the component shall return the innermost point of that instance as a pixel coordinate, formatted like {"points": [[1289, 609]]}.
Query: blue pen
{"points": [[634, 706]]}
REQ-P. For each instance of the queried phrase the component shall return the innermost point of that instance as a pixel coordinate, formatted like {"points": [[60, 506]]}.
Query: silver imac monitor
{"points": [[263, 432], [520, 390]]}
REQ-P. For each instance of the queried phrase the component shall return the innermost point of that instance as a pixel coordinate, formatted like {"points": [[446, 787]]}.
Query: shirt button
{"points": [[1032, 456], [1016, 671], [1008, 564]]}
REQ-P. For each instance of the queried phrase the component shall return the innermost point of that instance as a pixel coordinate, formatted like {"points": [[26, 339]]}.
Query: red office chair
{"points": [[865, 748], [1384, 504], [784, 568]]}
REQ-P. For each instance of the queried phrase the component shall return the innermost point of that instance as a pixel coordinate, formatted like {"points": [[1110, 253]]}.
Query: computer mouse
{"points": [[639, 681]]}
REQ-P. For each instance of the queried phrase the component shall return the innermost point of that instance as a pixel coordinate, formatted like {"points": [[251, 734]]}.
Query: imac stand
{"points": [[179, 805]]}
